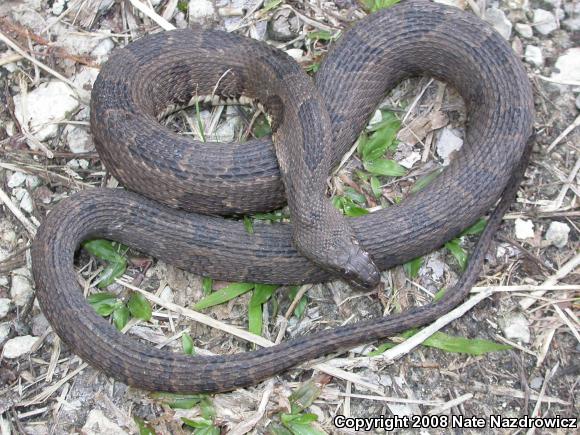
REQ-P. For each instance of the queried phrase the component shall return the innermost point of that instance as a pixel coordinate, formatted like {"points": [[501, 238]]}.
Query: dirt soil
{"points": [[51, 51]]}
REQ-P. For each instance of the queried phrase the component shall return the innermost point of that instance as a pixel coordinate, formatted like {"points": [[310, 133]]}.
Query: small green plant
{"points": [[202, 425], [454, 245], [298, 422], [372, 145], [107, 304], [113, 254]]}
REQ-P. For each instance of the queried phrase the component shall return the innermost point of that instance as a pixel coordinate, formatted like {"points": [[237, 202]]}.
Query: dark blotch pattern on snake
{"points": [[207, 180]]}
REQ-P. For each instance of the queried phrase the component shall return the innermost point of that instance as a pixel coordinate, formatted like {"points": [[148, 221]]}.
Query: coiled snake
{"points": [[314, 125]]}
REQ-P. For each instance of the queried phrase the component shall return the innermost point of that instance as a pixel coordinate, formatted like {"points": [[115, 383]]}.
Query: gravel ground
{"points": [[50, 52]]}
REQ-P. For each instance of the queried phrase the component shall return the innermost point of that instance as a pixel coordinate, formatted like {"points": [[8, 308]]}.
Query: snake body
{"points": [[313, 125]]}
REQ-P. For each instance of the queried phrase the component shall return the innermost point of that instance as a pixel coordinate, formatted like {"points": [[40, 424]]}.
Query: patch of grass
{"points": [[412, 267], [377, 5], [298, 422], [261, 127], [107, 303], [113, 254], [144, 427], [454, 245], [182, 6], [312, 68], [261, 295], [372, 145], [202, 425]]}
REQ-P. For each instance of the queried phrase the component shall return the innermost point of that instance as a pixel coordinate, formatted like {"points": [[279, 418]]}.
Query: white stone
{"points": [[571, 24], [410, 160], [85, 77], [524, 229], [544, 21], [18, 346], [98, 424], [75, 42], [536, 383], [16, 179], [167, 294], [295, 53], [26, 202], [437, 267], [58, 6], [515, 326], [4, 331], [48, 103], [498, 20], [78, 139], [226, 131], [568, 66], [5, 307], [557, 234], [533, 55], [447, 143], [33, 181], [103, 49], [461, 4], [21, 288], [200, 10], [104, 5], [23, 198], [572, 8], [524, 30]]}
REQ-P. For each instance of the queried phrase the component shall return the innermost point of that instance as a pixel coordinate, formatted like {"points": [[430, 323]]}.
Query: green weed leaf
{"points": [[207, 285], [248, 225], [179, 401], [301, 306], [107, 251], [412, 267], [385, 167], [261, 294], [423, 182], [224, 295], [458, 252], [103, 303], [304, 396], [139, 306], [144, 428], [476, 228], [376, 187], [120, 316], [187, 343]]}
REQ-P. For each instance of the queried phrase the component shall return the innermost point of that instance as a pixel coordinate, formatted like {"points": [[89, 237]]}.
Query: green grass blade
{"points": [[224, 295], [385, 167]]}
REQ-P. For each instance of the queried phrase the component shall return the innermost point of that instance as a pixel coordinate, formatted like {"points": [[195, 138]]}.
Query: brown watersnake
{"points": [[142, 79]]}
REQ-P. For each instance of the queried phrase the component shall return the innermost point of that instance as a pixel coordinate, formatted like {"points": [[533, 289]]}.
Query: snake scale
{"points": [[314, 124]]}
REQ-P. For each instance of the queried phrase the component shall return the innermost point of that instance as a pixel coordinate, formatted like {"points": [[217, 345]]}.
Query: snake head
{"points": [[359, 269]]}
